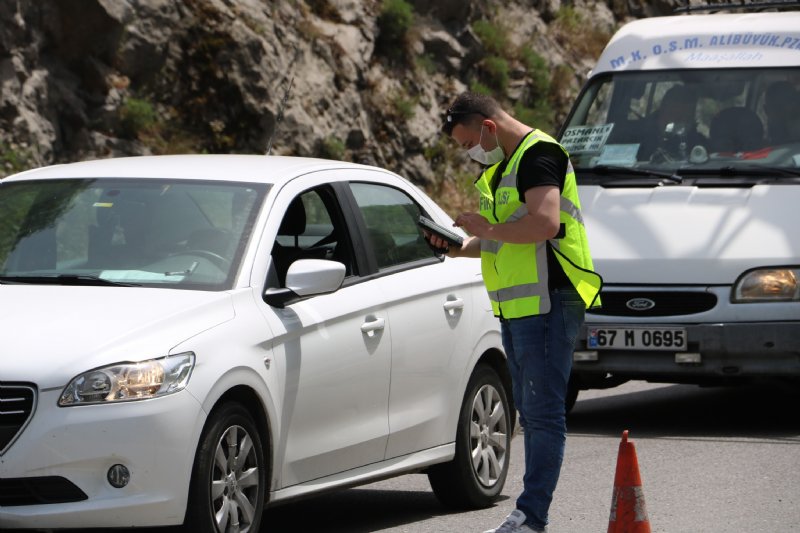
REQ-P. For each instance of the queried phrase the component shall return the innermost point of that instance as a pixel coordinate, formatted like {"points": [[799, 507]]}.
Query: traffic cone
{"points": [[628, 512]]}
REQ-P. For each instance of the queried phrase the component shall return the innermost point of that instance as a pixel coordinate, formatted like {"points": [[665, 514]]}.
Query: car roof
{"points": [[704, 41], [247, 168]]}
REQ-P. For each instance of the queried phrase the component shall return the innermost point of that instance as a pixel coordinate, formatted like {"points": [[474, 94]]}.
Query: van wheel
{"points": [[229, 476], [476, 475]]}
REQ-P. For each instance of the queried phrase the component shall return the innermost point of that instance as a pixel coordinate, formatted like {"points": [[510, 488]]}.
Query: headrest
{"points": [[294, 221], [736, 129]]}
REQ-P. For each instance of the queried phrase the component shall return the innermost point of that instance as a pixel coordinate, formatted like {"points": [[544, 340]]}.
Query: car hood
{"points": [[689, 235], [52, 333]]}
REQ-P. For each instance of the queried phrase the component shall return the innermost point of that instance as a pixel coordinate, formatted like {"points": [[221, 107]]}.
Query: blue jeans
{"points": [[539, 350]]}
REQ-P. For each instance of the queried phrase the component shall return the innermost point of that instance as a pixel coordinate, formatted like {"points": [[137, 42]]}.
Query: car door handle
{"points": [[372, 325], [451, 306]]}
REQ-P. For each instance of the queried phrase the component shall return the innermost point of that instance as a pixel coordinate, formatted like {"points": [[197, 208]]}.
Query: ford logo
{"points": [[640, 304]]}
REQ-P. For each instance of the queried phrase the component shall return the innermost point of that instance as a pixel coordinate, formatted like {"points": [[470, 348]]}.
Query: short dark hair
{"points": [[466, 108]]}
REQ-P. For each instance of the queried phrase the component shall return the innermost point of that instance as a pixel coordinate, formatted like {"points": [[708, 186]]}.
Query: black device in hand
{"points": [[453, 239]]}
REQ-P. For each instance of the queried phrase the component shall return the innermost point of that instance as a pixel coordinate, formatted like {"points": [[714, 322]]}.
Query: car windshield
{"points": [[688, 121], [143, 232]]}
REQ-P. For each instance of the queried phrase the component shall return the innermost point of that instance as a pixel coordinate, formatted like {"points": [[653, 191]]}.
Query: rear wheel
{"points": [[476, 475], [229, 476]]}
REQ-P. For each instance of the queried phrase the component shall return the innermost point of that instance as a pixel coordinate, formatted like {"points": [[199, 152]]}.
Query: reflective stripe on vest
{"points": [[517, 286]]}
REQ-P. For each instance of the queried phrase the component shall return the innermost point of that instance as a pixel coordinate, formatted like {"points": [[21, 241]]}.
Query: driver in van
{"points": [[672, 131]]}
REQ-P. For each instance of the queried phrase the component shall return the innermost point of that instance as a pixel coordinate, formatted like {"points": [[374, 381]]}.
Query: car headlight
{"points": [[123, 382], [768, 285]]}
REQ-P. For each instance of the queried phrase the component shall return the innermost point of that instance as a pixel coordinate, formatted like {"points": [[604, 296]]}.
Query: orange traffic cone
{"points": [[628, 512]]}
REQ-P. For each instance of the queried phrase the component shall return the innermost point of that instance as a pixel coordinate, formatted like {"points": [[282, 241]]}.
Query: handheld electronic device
{"points": [[453, 239]]}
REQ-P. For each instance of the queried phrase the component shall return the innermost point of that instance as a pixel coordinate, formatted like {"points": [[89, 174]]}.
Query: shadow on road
{"points": [[359, 510], [746, 411]]}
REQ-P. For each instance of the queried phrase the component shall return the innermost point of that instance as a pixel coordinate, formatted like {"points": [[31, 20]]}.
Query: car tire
{"points": [[572, 394], [475, 477], [229, 476]]}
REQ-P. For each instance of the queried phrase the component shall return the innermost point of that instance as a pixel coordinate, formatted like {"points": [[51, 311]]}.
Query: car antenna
{"points": [[283, 100]]}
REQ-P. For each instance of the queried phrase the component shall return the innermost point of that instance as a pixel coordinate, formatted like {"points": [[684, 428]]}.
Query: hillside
{"points": [[358, 80]]}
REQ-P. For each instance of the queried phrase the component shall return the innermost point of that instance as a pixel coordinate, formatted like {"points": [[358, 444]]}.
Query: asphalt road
{"points": [[711, 460]]}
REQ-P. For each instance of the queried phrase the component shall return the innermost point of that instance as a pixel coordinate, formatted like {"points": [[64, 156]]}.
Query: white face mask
{"points": [[482, 156]]}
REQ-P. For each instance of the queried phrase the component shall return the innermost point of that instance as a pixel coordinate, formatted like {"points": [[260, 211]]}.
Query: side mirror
{"points": [[306, 278]]}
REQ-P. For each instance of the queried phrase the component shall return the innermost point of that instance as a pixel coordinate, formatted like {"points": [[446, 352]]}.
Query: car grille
{"points": [[623, 303], [17, 403], [39, 490]]}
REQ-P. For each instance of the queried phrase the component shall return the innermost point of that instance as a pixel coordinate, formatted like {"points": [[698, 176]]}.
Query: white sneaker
{"points": [[514, 523]]}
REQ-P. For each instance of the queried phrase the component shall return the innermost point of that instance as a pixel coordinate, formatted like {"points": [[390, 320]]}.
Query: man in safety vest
{"points": [[537, 269]]}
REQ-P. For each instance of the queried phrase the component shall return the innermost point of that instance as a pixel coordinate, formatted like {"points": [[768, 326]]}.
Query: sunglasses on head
{"points": [[450, 114]]}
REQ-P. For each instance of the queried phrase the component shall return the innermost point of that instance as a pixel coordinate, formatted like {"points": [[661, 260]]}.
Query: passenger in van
{"points": [[736, 129], [671, 131], [782, 106]]}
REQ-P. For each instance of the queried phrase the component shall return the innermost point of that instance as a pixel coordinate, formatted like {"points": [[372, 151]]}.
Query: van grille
{"points": [[17, 403], [664, 303]]}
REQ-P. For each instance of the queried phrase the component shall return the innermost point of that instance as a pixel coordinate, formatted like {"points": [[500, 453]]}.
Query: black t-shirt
{"points": [[544, 163]]}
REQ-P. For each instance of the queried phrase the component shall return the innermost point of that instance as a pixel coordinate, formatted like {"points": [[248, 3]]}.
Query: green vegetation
{"points": [[569, 24], [569, 19], [332, 147], [496, 72], [14, 158], [539, 116], [135, 116], [537, 70], [426, 64], [403, 105], [481, 88], [394, 23], [492, 36]]}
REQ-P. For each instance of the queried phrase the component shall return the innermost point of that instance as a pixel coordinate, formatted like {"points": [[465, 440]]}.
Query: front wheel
{"points": [[229, 476], [476, 475]]}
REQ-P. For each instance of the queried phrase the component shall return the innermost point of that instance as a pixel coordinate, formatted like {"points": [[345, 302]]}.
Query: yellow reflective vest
{"points": [[515, 275]]}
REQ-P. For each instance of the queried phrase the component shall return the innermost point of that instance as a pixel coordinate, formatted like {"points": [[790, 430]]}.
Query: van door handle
{"points": [[373, 324], [451, 306]]}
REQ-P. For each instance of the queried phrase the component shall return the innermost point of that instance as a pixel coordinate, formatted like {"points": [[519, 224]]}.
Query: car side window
{"points": [[312, 228], [390, 216]]}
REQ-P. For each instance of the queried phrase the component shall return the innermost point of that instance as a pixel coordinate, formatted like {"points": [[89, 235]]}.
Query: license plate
{"points": [[636, 338]]}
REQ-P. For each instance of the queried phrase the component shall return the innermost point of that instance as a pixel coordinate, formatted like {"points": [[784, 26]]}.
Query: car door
{"points": [[430, 307], [334, 350]]}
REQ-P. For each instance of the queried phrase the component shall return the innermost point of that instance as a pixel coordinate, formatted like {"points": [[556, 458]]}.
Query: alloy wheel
{"points": [[488, 432], [234, 481]]}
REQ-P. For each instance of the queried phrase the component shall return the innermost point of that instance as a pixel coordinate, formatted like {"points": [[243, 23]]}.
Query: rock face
{"points": [[84, 79]]}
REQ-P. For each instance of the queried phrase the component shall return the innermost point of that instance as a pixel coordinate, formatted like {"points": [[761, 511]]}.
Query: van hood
{"points": [[684, 234], [52, 333]]}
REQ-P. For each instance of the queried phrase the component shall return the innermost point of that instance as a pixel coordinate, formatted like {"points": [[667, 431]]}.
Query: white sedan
{"points": [[187, 339]]}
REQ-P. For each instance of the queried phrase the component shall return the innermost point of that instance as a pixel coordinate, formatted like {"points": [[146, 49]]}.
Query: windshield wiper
{"points": [[64, 279], [632, 171], [757, 170]]}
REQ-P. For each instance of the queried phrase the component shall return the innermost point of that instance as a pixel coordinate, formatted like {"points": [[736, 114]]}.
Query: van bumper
{"points": [[715, 352]]}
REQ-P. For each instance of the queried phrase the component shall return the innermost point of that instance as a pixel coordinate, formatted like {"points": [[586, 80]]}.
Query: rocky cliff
{"points": [[361, 80]]}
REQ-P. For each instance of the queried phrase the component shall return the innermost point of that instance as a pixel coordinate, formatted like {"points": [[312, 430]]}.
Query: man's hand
{"points": [[437, 244], [474, 224]]}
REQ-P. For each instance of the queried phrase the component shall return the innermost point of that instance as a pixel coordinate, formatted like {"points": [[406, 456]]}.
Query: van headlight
{"points": [[123, 382], [768, 285]]}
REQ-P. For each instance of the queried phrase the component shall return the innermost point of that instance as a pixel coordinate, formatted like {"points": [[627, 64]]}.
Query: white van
{"points": [[686, 145]]}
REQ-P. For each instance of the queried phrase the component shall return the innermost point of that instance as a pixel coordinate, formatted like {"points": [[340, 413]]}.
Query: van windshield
{"points": [[690, 120]]}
